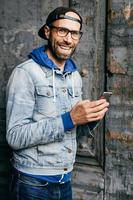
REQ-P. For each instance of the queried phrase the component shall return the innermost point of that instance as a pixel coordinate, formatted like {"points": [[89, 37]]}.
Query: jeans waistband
{"points": [[34, 181]]}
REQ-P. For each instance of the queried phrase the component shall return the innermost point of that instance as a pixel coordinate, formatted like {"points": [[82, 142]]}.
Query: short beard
{"points": [[59, 57]]}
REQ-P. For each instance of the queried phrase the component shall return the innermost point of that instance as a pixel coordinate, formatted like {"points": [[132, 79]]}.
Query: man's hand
{"points": [[88, 111]]}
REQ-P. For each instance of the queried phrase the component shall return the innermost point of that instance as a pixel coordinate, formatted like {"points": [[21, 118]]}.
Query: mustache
{"points": [[66, 44]]}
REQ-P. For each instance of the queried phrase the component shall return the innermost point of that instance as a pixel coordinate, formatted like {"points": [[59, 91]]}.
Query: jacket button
{"points": [[64, 90], [65, 169], [48, 93], [69, 151]]}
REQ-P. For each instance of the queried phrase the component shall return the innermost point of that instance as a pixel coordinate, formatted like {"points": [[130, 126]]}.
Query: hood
{"points": [[40, 56]]}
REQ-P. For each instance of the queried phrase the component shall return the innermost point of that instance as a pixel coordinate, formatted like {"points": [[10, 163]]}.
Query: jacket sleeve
{"points": [[22, 131]]}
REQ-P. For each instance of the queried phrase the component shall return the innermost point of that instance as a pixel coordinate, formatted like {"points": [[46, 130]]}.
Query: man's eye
{"points": [[63, 30], [75, 33]]}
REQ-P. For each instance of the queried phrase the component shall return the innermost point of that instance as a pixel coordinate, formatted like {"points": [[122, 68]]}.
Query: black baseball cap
{"points": [[59, 13]]}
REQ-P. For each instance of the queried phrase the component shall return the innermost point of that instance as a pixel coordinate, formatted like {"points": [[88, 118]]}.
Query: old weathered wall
{"points": [[19, 23], [119, 133]]}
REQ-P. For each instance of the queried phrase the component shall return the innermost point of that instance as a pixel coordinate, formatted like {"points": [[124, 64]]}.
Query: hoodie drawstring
{"points": [[54, 92], [62, 176], [73, 91], [54, 99]]}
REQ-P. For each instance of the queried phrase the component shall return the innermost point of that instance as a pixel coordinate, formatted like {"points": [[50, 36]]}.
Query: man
{"points": [[44, 107]]}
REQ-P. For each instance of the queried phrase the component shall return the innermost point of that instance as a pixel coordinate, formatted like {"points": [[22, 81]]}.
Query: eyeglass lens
{"points": [[63, 32]]}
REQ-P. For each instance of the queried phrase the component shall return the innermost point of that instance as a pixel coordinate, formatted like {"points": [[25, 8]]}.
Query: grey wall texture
{"points": [[119, 133], [104, 57]]}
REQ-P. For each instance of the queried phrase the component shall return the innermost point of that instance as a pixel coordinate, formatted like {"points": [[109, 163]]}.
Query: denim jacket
{"points": [[36, 98]]}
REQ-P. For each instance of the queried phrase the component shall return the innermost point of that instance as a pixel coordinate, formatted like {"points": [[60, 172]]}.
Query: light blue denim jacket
{"points": [[37, 99], [34, 124]]}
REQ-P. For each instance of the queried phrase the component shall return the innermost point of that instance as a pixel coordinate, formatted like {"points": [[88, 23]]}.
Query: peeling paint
{"points": [[114, 67], [84, 72], [122, 137], [118, 60], [128, 13], [17, 51], [131, 123], [112, 14], [88, 20]]}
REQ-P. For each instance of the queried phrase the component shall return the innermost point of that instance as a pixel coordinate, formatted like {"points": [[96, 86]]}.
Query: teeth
{"points": [[66, 48]]}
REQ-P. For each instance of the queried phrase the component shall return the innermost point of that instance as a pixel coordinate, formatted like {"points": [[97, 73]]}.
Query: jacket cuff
{"points": [[67, 121]]}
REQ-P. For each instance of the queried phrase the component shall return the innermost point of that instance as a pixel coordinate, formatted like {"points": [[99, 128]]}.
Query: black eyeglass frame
{"points": [[79, 33]]}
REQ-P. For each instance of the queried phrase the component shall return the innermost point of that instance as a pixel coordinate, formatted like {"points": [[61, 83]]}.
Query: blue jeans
{"points": [[27, 188]]}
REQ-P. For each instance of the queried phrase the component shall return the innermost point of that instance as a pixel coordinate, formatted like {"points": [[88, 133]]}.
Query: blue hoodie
{"points": [[40, 56]]}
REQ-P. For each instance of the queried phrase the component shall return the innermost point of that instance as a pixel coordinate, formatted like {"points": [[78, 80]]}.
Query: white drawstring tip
{"points": [[54, 99]]}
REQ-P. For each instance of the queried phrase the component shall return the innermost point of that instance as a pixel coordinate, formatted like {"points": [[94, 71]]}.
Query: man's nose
{"points": [[68, 38]]}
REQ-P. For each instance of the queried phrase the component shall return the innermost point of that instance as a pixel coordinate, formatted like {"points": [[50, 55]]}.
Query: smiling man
{"points": [[61, 40], [44, 108]]}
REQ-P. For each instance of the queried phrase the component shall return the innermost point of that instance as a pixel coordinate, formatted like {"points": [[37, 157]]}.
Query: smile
{"points": [[65, 47]]}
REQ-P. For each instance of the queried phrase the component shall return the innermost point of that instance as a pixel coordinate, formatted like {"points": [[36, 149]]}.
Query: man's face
{"points": [[62, 47]]}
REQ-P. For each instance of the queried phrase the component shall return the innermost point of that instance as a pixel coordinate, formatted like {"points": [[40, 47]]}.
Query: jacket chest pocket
{"points": [[45, 101], [75, 95]]}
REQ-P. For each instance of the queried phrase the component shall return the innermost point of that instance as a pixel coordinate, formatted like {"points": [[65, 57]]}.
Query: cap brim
{"points": [[41, 32]]}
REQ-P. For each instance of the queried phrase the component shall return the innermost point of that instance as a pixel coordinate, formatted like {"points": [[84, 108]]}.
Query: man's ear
{"points": [[46, 32]]}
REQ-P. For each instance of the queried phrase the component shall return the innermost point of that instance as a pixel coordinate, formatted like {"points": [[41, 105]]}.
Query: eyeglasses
{"points": [[63, 32]]}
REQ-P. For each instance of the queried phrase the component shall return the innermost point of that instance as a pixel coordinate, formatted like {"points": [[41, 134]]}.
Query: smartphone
{"points": [[106, 95]]}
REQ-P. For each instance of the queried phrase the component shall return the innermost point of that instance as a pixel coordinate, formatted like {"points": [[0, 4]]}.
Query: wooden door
{"points": [[88, 176]]}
